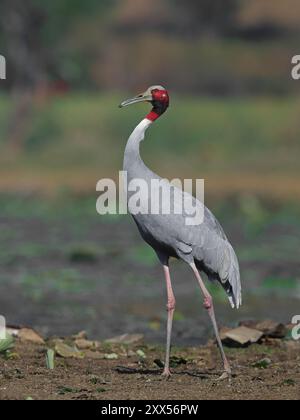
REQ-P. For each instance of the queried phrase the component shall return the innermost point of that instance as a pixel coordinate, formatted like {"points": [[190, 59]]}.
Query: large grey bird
{"points": [[204, 247]]}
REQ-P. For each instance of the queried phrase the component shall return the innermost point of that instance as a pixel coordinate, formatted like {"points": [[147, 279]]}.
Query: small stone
{"points": [[93, 355], [83, 344], [269, 328], [111, 356], [80, 335], [242, 336], [223, 332], [66, 351]]}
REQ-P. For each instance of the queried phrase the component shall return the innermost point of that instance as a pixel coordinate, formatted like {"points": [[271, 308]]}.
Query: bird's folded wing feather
{"points": [[211, 247]]}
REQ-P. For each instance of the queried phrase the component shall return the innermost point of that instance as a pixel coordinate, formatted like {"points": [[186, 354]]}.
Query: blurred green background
{"points": [[233, 120]]}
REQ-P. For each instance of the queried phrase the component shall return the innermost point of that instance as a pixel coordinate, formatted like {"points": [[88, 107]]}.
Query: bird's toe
{"points": [[225, 376], [166, 374]]}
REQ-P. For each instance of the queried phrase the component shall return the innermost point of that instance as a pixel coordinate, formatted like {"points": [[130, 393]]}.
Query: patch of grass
{"points": [[132, 278], [83, 254], [254, 213], [64, 280], [100, 390], [178, 316], [267, 252], [217, 292], [144, 255], [254, 349], [95, 380], [6, 344], [289, 382], [62, 390], [261, 349], [74, 140], [262, 364], [280, 283]]}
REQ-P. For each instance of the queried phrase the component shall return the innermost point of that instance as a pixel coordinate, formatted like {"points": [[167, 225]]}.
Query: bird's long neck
{"points": [[133, 162]]}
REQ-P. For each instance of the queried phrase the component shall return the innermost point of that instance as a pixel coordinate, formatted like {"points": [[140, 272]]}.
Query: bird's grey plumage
{"points": [[205, 244]]}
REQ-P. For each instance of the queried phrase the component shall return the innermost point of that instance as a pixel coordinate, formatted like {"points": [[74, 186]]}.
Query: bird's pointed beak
{"points": [[140, 98]]}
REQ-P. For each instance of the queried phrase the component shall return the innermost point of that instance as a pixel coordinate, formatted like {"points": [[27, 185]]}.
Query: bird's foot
{"points": [[227, 374], [166, 373]]}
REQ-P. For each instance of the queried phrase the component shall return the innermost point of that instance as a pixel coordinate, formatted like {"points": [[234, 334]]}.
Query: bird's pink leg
{"points": [[208, 304], [170, 308]]}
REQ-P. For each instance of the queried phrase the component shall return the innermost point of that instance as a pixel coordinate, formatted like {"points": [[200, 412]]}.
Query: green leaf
{"points": [[50, 359], [6, 344]]}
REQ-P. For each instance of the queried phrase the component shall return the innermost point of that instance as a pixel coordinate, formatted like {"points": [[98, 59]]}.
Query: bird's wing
{"points": [[211, 248], [223, 261], [213, 223]]}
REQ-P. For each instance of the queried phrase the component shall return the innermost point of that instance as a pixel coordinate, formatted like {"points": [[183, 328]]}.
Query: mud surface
{"points": [[132, 377]]}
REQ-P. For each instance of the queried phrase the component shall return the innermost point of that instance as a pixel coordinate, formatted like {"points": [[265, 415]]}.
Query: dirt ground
{"points": [[135, 375]]}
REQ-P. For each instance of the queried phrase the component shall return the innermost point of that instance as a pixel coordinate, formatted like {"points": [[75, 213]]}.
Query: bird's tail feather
{"points": [[234, 290]]}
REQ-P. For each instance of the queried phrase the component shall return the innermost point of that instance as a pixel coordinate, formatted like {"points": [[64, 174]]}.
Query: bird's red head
{"points": [[157, 96], [160, 102]]}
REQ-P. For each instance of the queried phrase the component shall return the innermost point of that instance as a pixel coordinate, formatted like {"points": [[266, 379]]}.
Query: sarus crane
{"points": [[204, 247]]}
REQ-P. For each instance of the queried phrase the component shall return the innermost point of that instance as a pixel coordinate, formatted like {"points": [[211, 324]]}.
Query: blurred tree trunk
{"points": [[21, 21]]}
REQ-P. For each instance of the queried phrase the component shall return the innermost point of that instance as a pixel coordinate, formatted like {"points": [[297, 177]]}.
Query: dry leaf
{"points": [[27, 334]]}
